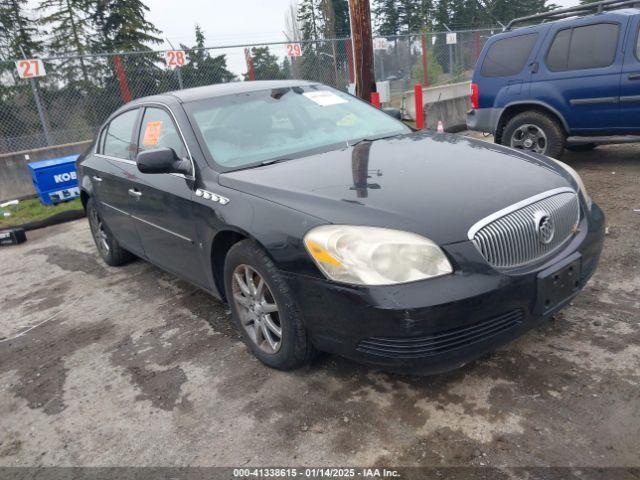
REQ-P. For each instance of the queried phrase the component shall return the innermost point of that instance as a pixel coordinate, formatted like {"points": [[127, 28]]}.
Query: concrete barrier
{"points": [[448, 103], [15, 179]]}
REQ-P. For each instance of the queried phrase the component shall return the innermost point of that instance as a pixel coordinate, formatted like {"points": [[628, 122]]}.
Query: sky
{"points": [[227, 22]]}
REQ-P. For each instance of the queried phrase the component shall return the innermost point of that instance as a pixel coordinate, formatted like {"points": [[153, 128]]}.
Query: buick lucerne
{"points": [[328, 225]]}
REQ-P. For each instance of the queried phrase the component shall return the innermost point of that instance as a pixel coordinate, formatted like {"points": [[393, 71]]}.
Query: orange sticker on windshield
{"points": [[152, 133]]}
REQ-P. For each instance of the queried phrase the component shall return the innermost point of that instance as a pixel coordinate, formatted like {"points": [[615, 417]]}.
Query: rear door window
{"points": [[638, 45], [508, 56], [591, 46], [117, 141]]}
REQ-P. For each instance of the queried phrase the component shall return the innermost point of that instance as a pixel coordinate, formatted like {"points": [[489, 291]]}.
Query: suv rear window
{"points": [[591, 46], [507, 56]]}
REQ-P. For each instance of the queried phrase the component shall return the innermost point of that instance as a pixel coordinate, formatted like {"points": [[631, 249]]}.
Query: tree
{"points": [[202, 68], [123, 26], [69, 26], [265, 65], [18, 32]]}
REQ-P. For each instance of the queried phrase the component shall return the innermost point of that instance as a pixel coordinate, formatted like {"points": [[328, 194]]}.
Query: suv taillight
{"points": [[475, 96]]}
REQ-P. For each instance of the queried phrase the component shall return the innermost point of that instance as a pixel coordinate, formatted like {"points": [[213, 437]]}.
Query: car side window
{"points": [[117, 141], [638, 44], [591, 46], [158, 130], [507, 57]]}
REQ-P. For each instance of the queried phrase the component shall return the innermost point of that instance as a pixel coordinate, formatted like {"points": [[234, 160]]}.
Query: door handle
{"points": [[135, 193], [634, 76], [534, 67], [97, 178]]}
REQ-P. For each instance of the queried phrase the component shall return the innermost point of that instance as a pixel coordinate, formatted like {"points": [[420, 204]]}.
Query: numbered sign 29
{"points": [[452, 38], [30, 68], [175, 58], [294, 50]]}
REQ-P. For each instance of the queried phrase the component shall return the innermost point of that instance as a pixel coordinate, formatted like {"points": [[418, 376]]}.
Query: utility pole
{"points": [[362, 41]]}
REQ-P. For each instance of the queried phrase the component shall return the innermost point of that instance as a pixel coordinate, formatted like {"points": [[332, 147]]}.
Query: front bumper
{"points": [[440, 324]]}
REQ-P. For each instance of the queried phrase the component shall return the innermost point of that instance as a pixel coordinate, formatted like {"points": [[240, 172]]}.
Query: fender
{"points": [[536, 103]]}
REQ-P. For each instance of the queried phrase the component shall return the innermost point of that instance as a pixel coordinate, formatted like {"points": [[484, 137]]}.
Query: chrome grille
{"points": [[513, 237]]}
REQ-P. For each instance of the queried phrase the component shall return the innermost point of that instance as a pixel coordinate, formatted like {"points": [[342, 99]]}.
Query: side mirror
{"points": [[394, 112], [161, 160]]}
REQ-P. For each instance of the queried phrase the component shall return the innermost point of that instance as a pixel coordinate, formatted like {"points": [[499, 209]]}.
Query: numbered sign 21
{"points": [[175, 58], [30, 68], [294, 50]]}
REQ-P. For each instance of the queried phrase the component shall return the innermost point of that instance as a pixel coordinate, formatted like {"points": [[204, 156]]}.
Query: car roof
{"points": [[604, 16], [222, 89]]}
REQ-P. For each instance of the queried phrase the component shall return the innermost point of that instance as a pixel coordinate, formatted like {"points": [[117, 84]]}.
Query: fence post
{"points": [[425, 61], [251, 74], [122, 79], [417, 94], [349, 49], [44, 121], [375, 99]]}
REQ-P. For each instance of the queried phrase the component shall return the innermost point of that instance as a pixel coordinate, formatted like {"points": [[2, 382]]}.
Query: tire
{"points": [[108, 247], [295, 348], [526, 123], [582, 147]]}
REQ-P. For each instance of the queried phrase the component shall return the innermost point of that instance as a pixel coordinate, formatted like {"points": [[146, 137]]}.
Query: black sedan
{"points": [[328, 225]]}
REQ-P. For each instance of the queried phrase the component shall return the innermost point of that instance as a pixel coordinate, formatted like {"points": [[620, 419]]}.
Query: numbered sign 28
{"points": [[294, 50], [175, 58], [30, 68]]}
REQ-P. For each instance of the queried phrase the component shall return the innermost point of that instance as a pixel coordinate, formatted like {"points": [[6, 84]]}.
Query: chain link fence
{"points": [[79, 92]]}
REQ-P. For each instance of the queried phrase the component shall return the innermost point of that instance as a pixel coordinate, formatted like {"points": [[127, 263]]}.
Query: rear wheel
{"points": [[537, 132], [108, 247], [264, 309]]}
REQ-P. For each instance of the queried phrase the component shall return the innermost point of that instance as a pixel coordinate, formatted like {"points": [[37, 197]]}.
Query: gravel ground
{"points": [[131, 366]]}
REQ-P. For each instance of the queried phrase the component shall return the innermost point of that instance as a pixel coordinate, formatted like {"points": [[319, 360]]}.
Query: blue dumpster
{"points": [[55, 180]]}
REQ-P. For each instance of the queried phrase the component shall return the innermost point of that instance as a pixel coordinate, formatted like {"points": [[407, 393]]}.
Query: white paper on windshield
{"points": [[324, 98]]}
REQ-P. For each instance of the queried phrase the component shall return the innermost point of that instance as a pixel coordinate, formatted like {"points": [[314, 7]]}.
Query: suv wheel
{"points": [[108, 247], [536, 132], [263, 308]]}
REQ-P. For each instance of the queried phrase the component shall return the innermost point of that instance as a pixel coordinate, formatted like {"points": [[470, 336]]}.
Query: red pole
{"points": [[425, 61], [375, 99], [477, 45], [349, 49], [251, 74], [122, 79], [417, 93]]}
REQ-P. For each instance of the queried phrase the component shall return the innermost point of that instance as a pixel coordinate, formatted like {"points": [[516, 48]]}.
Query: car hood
{"points": [[431, 184]]}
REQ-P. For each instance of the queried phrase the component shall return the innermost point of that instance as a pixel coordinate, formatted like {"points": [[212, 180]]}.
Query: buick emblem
{"points": [[545, 228]]}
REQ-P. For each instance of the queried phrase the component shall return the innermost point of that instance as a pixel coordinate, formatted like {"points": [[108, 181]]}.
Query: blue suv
{"points": [[561, 84]]}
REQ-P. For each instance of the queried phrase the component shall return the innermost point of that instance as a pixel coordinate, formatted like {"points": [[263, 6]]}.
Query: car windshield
{"points": [[252, 128]]}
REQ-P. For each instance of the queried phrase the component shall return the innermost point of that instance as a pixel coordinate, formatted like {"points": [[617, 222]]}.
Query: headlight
{"points": [[577, 179], [374, 256]]}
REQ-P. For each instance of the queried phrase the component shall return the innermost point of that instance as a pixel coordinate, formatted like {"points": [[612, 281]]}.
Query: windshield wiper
{"points": [[275, 160], [370, 139]]}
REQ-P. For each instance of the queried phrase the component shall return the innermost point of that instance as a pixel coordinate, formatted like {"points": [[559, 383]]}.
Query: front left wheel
{"points": [[264, 309]]}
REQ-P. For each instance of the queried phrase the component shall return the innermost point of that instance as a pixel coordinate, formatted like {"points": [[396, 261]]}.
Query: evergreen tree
{"points": [[387, 17], [123, 26], [202, 68], [18, 33], [265, 65], [69, 26]]}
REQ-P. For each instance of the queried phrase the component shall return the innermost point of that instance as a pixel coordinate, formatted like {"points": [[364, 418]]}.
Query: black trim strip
{"points": [[594, 101]]}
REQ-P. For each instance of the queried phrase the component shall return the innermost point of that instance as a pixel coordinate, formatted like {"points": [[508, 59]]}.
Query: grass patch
{"points": [[31, 210]]}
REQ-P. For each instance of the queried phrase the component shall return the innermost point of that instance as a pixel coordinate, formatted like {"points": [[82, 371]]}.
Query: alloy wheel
{"points": [[99, 233], [529, 137], [257, 308]]}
